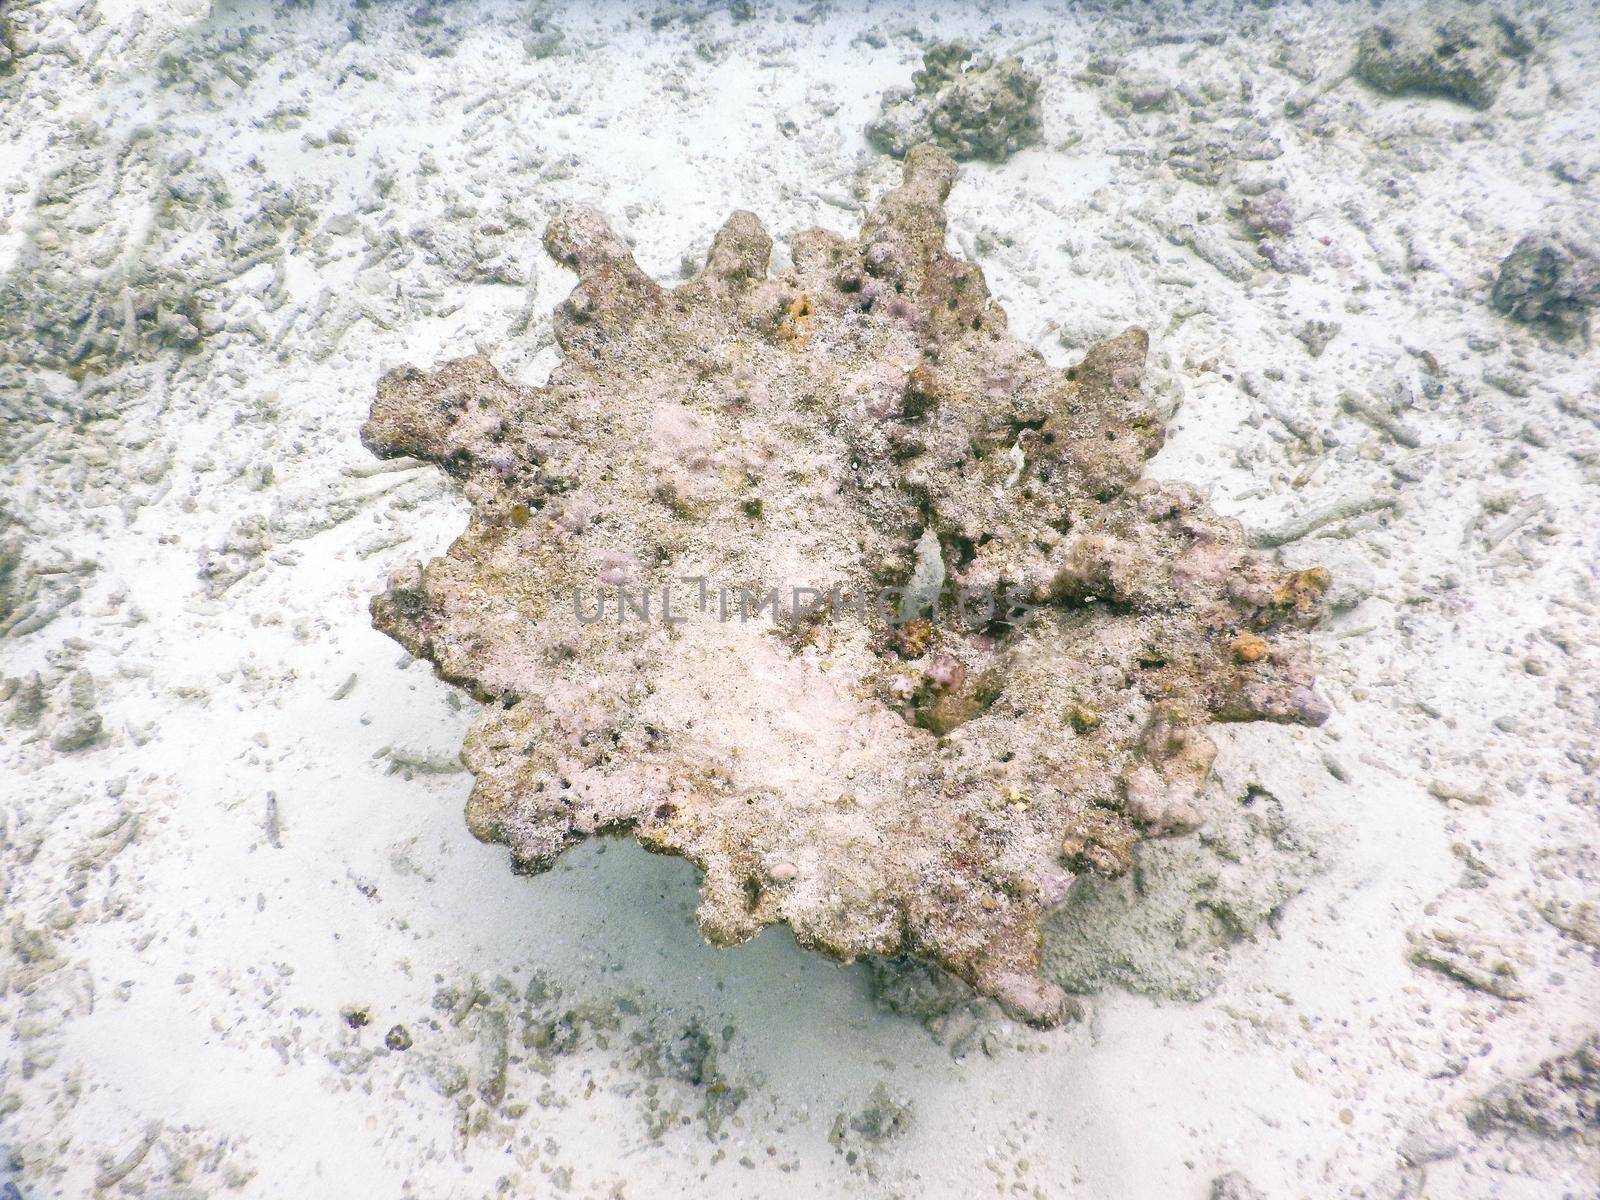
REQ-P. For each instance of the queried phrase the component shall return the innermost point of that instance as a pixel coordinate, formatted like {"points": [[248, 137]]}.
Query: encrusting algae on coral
{"points": [[924, 775]]}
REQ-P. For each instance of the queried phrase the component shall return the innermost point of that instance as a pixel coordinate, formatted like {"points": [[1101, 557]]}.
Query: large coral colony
{"points": [[893, 780]]}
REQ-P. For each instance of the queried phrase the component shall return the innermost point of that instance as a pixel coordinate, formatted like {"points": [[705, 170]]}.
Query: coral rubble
{"points": [[825, 583], [1551, 281], [1560, 1098], [970, 107], [8, 49], [1234, 1186], [1166, 927], [1460, 55]]}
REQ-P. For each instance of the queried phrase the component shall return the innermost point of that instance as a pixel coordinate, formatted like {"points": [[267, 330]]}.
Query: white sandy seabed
{"points": [[232, 859]]}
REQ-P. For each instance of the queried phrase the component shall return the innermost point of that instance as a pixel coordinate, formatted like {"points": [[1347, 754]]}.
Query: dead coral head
{"points": [[971, 107], [891, 673], [1549, 280], [1461, 54]]}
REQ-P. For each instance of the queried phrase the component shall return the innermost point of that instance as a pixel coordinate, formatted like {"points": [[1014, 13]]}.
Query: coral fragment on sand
{"points": [[1551, 281], [1460, 55], [1026, 639], [8, 47], [969, 107], [1561, 1098]]}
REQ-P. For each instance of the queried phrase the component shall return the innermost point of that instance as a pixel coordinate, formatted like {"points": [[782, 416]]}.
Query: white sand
{"points": [[181, 948]]}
